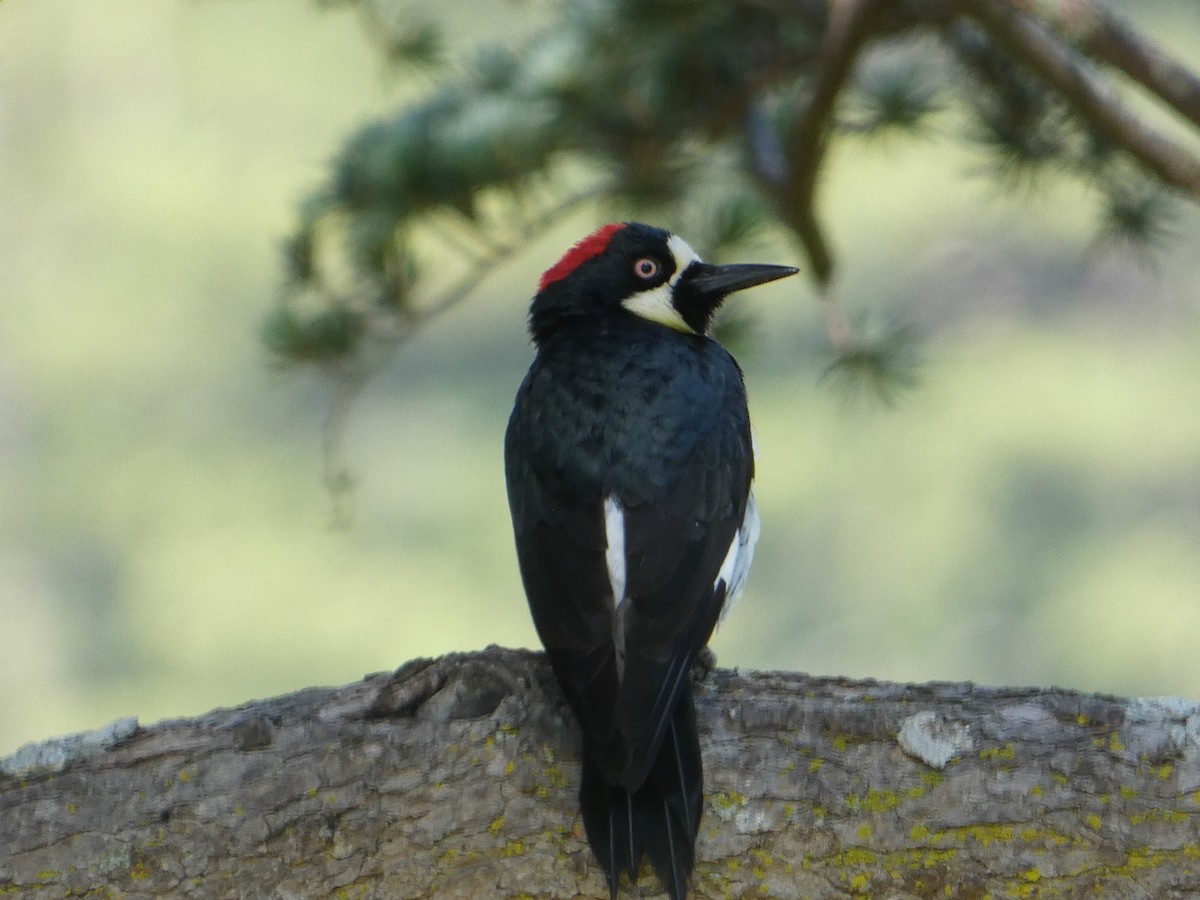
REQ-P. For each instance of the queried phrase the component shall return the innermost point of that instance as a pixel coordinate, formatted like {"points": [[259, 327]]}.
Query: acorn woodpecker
{"points": [[629, 462]]}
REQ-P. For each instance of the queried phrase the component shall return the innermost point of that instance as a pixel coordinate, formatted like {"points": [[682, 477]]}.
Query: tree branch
{"points": [[805, 145], [457, 777], [1028, 40], [1105, 36]]}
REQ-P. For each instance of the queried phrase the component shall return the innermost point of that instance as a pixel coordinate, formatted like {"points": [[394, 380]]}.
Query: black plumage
{"points": [[632, 428]]}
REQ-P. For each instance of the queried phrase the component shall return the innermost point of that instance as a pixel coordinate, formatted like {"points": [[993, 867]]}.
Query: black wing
{"points": [[674, 551]]}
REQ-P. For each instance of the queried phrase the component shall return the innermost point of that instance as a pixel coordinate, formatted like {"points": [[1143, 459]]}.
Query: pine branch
{"points": [[1094, 99], [1105, 36], [805, 146]]}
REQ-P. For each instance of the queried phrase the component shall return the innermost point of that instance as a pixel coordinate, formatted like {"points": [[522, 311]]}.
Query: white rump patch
{"points": [[655, 304], [614, 558], [736, 566]]}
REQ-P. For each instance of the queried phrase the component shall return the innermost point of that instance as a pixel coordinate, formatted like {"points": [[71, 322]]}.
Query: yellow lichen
{"points": [[1144, 858], [728, 801], [1169, 816], [854, 856], [761, 856], [1008, 751], [880, 801], [513, 848]]}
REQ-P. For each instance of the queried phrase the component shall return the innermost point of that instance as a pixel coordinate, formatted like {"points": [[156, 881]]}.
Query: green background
{"points": [[1031, 514]]}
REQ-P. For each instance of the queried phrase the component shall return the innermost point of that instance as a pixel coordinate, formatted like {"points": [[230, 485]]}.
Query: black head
{"points": [[628, 268]]}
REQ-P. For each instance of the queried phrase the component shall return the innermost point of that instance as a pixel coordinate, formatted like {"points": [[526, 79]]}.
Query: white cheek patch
{"points": [[656, 303], [684, 254]]}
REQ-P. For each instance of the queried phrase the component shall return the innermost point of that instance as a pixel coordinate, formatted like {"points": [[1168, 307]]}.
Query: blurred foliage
{"points": [[714, 116], [1138, 215], [888, 363]]}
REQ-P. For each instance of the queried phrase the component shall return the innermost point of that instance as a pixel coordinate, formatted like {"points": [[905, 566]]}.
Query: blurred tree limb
{"points": [[715, 117], [457, 777], [1095, 100]]}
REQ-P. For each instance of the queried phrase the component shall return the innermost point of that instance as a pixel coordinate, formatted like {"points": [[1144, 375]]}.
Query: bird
{"points": [[629, 464]]}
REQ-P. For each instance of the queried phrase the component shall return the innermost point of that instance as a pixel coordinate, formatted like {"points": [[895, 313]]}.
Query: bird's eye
{"points": [[645, 268]]}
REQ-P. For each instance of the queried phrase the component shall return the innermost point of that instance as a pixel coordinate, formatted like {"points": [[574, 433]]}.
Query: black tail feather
{"points": [[608, 818], [660, 818], [674, 798]]}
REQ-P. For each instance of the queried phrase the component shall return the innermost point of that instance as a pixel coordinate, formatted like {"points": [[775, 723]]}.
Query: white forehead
{"points": [[684, 255]]}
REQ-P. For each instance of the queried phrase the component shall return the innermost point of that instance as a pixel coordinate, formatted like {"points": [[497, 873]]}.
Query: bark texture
{"points": [[456, 777]]}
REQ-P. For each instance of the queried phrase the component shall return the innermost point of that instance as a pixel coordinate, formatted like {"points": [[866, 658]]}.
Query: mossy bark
{"points": [[456, 777]]}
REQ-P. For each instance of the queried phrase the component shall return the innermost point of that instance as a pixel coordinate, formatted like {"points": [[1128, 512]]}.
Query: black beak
{"points": [[717, 281]]}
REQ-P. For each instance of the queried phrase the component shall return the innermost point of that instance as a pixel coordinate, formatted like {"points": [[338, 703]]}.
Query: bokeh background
{"points": [[1029, 515]]}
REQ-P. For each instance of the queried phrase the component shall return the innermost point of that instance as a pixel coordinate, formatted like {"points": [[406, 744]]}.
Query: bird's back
{"points": [[631, 411]]}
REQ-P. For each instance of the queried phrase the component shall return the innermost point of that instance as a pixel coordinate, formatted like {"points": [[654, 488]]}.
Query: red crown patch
{"points": [[591, 246]]}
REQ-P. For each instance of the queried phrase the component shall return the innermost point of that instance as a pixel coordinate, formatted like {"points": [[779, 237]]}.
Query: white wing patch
{"points": [[655, 304], [736, 566], [614, 555], [614, 558]]}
